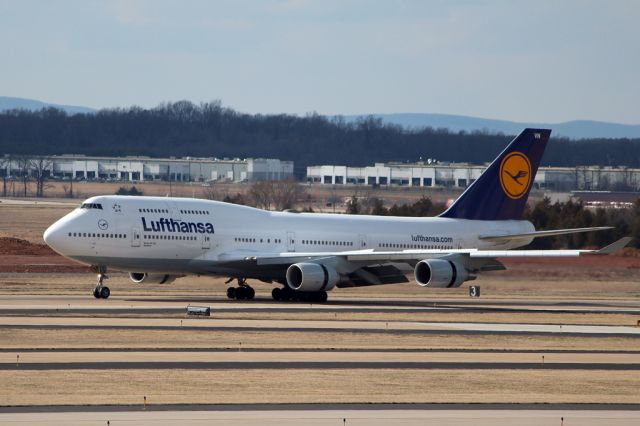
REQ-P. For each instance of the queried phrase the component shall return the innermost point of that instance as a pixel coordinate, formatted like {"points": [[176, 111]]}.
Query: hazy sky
{"points": [[530, 61]]}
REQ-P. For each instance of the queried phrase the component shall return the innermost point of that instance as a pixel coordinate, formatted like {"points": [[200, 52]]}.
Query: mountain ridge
{"points": [[574, 129], [9, 103]]}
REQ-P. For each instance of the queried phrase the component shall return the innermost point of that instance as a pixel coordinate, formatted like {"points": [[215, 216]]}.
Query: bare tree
{"points": [[261, 194], [23, 162], [209, 192], [41, 167], [279, 194], [286, 193], [353, 205], [5, 168]]}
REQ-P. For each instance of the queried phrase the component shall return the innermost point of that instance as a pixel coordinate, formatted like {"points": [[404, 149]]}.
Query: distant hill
{"points": [[7, 103], [578, 129]]}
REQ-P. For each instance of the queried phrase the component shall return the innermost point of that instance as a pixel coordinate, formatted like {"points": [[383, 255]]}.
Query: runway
{"points": [[315, 365], [67, 349], [150, 303], [334, 415], [298, 325]]}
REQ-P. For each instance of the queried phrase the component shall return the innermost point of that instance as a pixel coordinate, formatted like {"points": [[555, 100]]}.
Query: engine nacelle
{"points": [[440, 273], [311, 277], [143, 277]]}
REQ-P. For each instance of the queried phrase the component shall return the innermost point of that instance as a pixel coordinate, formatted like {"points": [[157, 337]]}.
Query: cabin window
{"points": [[91, 206]]}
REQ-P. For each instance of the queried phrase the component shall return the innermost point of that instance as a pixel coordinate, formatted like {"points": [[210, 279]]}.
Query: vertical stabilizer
{"points": [[501, 192]]}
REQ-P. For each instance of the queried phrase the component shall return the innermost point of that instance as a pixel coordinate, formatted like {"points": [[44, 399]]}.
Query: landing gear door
{"points": [[135, 237]]}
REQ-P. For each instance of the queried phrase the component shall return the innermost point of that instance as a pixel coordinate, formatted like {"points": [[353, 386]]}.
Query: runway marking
{"points": [[237, 356], [320, 350], [336, 414], [315, 365], [379, 408]]}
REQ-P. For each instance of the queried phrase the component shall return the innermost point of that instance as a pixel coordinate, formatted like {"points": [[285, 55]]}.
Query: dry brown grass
{"points": [[29, 222], [313, 386], [442, 316], [123, 338]]}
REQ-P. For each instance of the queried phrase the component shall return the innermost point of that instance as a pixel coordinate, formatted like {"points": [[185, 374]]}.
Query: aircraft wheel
{"points": [[276, 294], [231, 293], [321, 297], [241, 293], [96, 293], [250, 293], [105, 292]]}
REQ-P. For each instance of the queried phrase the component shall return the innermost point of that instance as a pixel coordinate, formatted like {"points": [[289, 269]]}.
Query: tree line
{"points": [[211, 130]]}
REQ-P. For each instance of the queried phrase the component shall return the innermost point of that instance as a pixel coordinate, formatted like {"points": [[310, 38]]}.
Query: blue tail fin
{"points": [[501, 192]]}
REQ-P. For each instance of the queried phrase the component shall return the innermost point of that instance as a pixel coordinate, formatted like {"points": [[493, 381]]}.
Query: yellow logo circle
{"points": [[515, 174]]}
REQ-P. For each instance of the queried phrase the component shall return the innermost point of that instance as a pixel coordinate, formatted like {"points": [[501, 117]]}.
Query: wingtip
{"points": [[615, 246]]}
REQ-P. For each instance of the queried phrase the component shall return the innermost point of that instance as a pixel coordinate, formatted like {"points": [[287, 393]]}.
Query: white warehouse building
{"points": [[136, 169], [461, 175]]}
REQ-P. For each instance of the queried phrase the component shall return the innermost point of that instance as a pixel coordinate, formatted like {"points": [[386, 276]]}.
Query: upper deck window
{"points": [[91, 206]]}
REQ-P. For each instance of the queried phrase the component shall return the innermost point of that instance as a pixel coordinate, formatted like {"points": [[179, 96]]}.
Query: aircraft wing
{"points": [[417, 255], [371, 267]]}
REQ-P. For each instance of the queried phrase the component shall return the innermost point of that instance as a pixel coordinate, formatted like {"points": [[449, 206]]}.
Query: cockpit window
{"points": [[91, 206]]}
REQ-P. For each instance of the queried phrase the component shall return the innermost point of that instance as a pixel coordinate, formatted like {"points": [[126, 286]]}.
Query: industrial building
{"points": [[461, 175], [137, 169]]}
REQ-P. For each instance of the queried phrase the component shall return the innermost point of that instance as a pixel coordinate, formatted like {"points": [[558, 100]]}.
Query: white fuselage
{"points": [[192, 236]]}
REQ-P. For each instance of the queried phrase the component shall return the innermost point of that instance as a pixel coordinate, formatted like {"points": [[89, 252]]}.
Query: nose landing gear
{"points": [[243, 292], [101, 291]]}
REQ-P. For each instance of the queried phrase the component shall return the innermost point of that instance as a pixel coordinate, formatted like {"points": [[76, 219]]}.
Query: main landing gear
{"points": [[243, 292], [286, 294], [101, 291]]}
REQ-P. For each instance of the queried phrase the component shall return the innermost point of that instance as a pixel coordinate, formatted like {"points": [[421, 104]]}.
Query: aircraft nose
{"points": [[52, 235]]}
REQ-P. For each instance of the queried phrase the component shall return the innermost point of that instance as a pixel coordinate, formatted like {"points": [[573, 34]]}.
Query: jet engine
{"points": [[143, 277], [440, 273], [310, 277]]}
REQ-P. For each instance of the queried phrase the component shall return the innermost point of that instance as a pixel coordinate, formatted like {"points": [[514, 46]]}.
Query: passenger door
{"points": [[206, 241], [135, 237], [362, 241], [291, 241]]}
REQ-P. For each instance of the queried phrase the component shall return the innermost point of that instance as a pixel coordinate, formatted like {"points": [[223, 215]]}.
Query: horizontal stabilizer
{"points": [[538, 234], [615, 246]]}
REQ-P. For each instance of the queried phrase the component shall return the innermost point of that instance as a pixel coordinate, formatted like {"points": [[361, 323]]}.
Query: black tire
{"points": [[241, 293], [287, 294], [232, 293], [250, 293], [321, 297], [105, 292], [276, 294], [96, 293]]}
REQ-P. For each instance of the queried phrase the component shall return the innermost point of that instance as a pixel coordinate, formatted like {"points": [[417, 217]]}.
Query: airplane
{"points": [[306, 255]]}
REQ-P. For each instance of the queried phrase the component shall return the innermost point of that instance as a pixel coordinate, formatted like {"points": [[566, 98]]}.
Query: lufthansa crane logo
{"points": [[515, 175]]}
